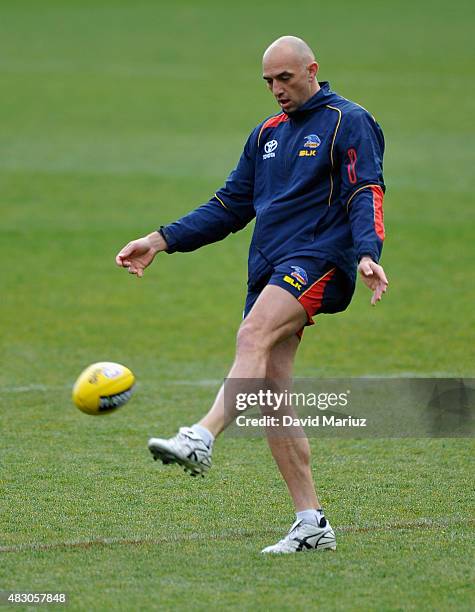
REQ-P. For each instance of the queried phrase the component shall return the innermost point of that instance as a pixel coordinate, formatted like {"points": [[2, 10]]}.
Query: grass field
{"points": [[117, 117]]}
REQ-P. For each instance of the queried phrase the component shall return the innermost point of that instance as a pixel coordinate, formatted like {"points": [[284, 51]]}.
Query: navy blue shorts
{"points": [[317, 284]]}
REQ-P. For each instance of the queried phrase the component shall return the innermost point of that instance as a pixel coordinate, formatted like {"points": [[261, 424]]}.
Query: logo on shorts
{"points": [[269, 149], [292, 282], [299, 274], [312, 141]]}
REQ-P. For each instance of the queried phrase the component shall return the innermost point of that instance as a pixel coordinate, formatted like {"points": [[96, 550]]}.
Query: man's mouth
{"points": [[283, 102]]}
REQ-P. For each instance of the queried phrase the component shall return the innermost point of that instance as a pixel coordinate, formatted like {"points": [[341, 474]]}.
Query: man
{"points": [[312, 177]]}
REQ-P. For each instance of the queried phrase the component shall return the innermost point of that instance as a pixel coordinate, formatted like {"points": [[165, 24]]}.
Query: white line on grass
{"points": [[203, 382], [28, 388], [422, 523], [213, 382]]}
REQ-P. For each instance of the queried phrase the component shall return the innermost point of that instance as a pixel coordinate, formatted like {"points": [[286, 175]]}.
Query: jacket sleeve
{"points": [[361, 149], [228, 211]]}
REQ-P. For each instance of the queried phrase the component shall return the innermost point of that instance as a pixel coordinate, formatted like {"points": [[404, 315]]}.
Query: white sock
{"points": [[204, 434], [312, 516]]}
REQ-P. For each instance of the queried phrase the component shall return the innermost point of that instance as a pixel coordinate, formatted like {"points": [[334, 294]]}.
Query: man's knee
{"points": [[252, 337]]}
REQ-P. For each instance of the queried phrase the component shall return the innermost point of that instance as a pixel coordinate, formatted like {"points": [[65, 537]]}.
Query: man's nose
{"points": [[277, 89]]}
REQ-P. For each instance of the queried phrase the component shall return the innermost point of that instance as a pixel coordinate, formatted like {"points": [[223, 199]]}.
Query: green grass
{"points": [[117, 117]]}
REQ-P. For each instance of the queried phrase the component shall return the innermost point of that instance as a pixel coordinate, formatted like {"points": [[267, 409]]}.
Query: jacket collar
{"points": [[323, 96]]}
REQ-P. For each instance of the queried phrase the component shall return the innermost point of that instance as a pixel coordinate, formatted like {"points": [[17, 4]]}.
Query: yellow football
{"points": [[103, 387]]}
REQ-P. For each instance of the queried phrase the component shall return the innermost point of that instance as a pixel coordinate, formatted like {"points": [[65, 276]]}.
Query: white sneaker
{"points": [[187, 449], [304, 537]]}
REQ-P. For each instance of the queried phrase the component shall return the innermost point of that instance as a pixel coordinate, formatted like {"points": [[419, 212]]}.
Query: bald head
{"points": [[290, 46], [290, 70]]}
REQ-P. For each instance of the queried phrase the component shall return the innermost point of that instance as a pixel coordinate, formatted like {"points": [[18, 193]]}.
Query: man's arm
{"points": [[361, 150], [228, 211]]}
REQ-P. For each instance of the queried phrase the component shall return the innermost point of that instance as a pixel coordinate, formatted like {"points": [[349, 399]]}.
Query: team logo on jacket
{"points": [[299, 274], [269, 149], [312, 141]]}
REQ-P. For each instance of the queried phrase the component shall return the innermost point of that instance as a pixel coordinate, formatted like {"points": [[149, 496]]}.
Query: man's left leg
{"points": [[291, 451]]}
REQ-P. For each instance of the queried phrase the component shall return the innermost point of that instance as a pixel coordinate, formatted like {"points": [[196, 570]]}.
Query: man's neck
{"points": [[313, 90]]}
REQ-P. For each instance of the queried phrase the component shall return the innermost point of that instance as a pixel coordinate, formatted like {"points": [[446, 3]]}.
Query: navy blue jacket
{"points": [[314, 181]]}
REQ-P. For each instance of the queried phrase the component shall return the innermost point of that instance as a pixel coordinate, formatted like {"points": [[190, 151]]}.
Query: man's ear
{"points": [[312, 71]]}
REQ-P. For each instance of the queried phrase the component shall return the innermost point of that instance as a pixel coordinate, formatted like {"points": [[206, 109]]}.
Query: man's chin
{"points": [[288, 107]]}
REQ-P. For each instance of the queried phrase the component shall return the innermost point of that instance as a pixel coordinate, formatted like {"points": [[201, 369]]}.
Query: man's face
{"points": [[291, 81]]}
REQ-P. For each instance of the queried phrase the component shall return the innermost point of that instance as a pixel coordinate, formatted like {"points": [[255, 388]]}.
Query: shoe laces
{"points": [[297, 523], [294, 527]]}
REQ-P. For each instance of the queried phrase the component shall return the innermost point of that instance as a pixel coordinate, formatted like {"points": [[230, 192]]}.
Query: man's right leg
{"points": [[275, 316]]}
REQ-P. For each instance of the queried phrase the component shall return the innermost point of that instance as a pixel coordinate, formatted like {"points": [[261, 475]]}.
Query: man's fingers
{"points": [[366, 270], [122, 254], [123, 263], [374, 278], [379, 271], [378, 293], [135, 256], [373, 269], [375, 297], [382, 275], [137, 270], [371, 282]]}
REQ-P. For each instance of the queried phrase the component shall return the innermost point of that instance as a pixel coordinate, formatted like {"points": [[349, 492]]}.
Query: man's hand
{"points": [[373, 277], [139, 254]]}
